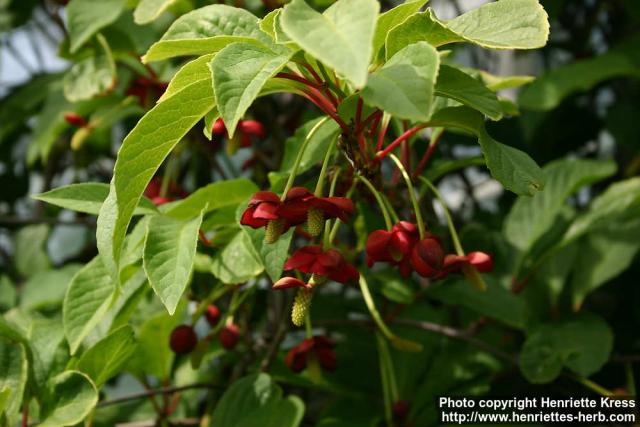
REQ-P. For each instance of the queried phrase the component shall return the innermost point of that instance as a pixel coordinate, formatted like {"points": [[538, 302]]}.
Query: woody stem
{"points": [[412, 195], [296, 164]]}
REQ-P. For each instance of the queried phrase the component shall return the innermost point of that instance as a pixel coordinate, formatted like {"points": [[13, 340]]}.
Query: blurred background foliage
{"points": [[569, 254]]}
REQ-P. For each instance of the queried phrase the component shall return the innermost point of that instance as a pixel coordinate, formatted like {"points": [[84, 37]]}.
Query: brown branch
{"points": [[154, 392]]}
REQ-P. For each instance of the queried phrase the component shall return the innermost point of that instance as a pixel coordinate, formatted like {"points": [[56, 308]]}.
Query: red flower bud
{"points": [[322, 347], [427, 257], [229, 336], [219, 127], [183, 339], [393, 246], [252, 127], [75, 119], [212, 315]]}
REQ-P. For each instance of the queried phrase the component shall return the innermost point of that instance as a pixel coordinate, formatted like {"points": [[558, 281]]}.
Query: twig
{"points": [[153, 392]]}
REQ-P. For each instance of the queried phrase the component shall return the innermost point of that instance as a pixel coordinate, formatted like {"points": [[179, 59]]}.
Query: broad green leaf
{"points": [[496, 302], [149, 10], [87, 17], [205, 31], [581, 343], [273, 255], [88, 197], [238, 261], [30, 256], [239, 73], [496, 83], [404, 86], [153, 338], [13, 373], [108, 356], [547, 91], [140, 155], [256, 401], [5, 395], [341, 37], [316, 148], [213, 196], [88, 298], [71, 396], [92, 76], [8, 294], [47, 288], [169, 249], [522, 24], [530, 218], [604, 254], [49, 352], [515, 170], [392, 18], [455, 84], [191, 72]]}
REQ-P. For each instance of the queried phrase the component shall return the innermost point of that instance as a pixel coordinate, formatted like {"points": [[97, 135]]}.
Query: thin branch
{"points": [[154, 392]]}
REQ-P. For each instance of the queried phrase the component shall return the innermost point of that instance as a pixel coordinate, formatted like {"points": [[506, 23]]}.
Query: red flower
{"points": [[331, 207], [393, 246], [428, 260], [322, 348], [480, 260], [331, 263], [183, 339], [246, 128], [229, 336]]}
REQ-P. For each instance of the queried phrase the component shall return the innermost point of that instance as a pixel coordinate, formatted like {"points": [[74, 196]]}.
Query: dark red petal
{"points": [[289, 282], [266, 210], [421, 260], [402, 242], [302, 258], [377, 245], [153, 188], [245, 140], [252, 127], [297, 194], [264, 196], [218, 127], [345, 273], [321, 341], [406, 226], [296, 360], [250, 220], [327, 358], [334, 207]]}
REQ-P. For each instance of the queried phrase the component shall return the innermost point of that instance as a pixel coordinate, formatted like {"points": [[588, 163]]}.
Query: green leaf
{"points": [[403, 87], [581, 343], [88, 298], [87, 17], [316, 148], [530, 218], [238, 261], [212, 197], [207, 30], [8, 294], [88, 197], [458, 85], [92, 76], [47, 288], [239, 72], [255, 401], [391, 19], [546, 92], [13, 373], [169, 250], [71, 397], [341, 37], [149, 10], [496, 302], [140, 155], [49, 352], [108, 356], [30, 255], [522, 24], [515, 170], [191, 72], [604, 254]]}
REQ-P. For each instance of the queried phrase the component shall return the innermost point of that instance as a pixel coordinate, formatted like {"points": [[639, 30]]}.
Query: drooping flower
{"points": [[183, 339], [319, 209], [246, 129], [393, 246], [429, 260], [313, 260], [319, 346], [481, 261]]}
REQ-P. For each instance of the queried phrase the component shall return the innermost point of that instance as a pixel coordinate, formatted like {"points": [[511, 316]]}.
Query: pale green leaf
{"points": [[30, 255], [238, 261], [515, 170], [140, 155], [423, 26], [49, 352], [71, 397], [153, 339], [530, 218], [87, 17], [108, 356], [88, 197], [149, 10], [239, 72], [92, 76], [47, 288], [213, 196], [456, 84], [88, 298], [207, 30], [191, 72], [341, 37], [169, 250], [403, 87], [391, 19], [13, 373]]}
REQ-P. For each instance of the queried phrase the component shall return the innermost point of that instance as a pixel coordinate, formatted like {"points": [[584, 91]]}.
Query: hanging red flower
{"points": [[428, 260], [330, 263], [245, 129], [321, 347], [393, 246]]}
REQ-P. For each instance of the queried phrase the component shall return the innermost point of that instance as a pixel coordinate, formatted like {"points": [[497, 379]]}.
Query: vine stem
{"points": [[385, 214], [296, 164], [412, 194]]}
